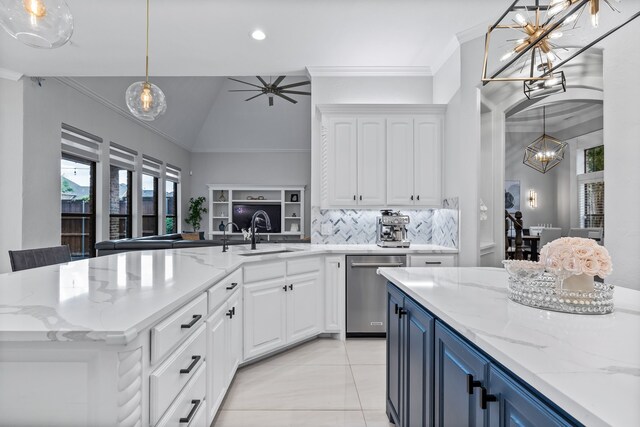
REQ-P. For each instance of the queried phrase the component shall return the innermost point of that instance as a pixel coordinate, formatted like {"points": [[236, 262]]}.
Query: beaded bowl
{"points": [[523, 270]]}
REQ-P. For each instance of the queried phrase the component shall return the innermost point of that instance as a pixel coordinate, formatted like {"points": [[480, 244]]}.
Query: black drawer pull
{"points": [[285, 288], [194, 362], [354, 197], [433, 262], [360, 197], [396, 309], [230, 314], [196, 317], [402, 312], [196, 405], [418, 198], [290, 287], [233, 310], [233, 285], [471, 383], [411, 197], [485, 397]]}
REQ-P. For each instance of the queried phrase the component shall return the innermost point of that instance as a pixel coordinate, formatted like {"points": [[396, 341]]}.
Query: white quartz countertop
{"points": [[589, 365], [112, 298]]}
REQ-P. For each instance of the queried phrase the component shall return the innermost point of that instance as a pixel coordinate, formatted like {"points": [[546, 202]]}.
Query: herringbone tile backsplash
{"points": [[352, 226]]}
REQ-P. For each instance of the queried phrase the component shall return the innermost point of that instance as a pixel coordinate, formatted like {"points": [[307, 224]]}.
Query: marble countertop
{"points": [[589, 365], [112, 298]]}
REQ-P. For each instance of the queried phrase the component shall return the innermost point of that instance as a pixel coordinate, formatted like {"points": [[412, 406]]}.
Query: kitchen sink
{"points": [[281, 251]]}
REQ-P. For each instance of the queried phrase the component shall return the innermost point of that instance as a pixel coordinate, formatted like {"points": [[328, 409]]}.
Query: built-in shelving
{"points": [[290, 199]]}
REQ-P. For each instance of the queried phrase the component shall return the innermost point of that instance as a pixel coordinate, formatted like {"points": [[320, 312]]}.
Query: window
{"points": [[80, 153], [591, 188], [149, 205], [171, 207], [119, 203]]}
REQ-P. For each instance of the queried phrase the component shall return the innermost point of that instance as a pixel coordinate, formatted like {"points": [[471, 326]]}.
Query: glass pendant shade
{"points": [[44, 24], [545, 153], [145, 100]]}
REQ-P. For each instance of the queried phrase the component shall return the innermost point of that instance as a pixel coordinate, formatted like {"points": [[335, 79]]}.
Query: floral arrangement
{"points": [[576, 255]]}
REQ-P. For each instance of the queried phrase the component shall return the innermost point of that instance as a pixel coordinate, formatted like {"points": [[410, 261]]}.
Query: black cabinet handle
{"points": [[233, 285], [195, 360], [196, 405], [360, 197], [396, 309], [285, 288], [485, 397], [471, 384], [291, 287], [354, 197], [433, 262], [401, 312], [233, 310], [418, 197], [196, 317], [229, 313], [412, 197]]}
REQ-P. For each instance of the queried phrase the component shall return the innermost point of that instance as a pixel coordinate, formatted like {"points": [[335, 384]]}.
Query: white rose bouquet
{"points": [[575, 256]]}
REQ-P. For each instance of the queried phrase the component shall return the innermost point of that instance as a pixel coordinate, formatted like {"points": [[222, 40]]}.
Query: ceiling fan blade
{"points": [[286, 97], [262, 81], [278, 81], [294, 85], [295, 92], [247, 83], [249, 99], [271, 101], [245, 90]]}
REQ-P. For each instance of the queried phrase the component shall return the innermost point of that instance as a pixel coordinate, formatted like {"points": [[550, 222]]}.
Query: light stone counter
{"points": [[589, 365], [112, 298]]}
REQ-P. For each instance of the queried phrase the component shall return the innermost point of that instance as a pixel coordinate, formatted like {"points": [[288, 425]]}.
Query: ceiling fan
{"points": [[271, 89]]}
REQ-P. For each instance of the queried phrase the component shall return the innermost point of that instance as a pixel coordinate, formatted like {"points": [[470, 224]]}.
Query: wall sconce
{"points": [[532, 198]]}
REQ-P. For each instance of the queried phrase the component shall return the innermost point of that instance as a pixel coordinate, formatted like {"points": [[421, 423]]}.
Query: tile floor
{"points": [[321, 383]]}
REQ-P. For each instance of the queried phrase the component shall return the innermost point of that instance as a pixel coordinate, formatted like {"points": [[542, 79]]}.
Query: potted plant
{"points": [[196, 209]]}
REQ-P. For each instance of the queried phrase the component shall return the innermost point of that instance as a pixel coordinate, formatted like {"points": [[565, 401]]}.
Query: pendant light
{"points": [[43, 24], [546, 152], [145, 100]]}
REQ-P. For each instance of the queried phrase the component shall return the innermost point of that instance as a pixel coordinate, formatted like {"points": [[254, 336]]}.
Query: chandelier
{"points": [[44, 24], [145, 100], [545, 152], [531, 42]]}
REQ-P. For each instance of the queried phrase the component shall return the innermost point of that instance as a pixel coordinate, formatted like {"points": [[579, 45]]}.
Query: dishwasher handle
{"points": [[376, 264]]}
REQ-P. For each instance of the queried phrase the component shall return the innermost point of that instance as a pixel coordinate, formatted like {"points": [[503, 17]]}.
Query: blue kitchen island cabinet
{"points": [[437, 378], [410, 362]]}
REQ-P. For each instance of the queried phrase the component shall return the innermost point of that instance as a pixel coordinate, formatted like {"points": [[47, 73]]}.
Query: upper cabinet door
{"points": [[400, 162], [341, 162], [427, 157], [372, 158]]}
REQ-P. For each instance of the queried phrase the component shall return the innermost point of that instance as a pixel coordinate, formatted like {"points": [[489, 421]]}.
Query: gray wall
{"points": [[267, 168]]}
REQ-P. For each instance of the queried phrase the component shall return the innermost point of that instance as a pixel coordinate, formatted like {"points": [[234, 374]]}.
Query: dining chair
{"points": [[579, 232], [39, 257], [547, 235]]}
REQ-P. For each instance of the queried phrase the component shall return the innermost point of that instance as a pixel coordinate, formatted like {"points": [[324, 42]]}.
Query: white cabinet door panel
{"points": [[303, 310], [333, 293], [264, 317], [428, 161], [234, 338], [216, 356], [400, 161], [371, 162], [341, 162]]}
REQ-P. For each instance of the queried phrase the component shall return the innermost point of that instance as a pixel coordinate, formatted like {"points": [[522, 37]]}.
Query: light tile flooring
{"points": [[321, 383]]}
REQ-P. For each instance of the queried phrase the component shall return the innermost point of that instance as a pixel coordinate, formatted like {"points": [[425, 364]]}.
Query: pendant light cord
{"points": [[147, 49]]}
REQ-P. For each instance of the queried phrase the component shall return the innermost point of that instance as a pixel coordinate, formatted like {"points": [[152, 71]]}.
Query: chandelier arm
{"points": [[540, 37]]}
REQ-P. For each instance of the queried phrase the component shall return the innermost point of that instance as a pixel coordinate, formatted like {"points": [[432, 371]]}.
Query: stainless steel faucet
{"points": [[254, 218], [224, 235]]}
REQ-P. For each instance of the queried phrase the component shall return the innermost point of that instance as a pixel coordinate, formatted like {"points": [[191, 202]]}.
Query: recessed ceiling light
{"points": [[258, 35]]}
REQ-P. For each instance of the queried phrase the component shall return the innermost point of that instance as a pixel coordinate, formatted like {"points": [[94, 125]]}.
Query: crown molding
{"points": [[386, 109], [116, 108], [338, 71], [474, 32], [10, 75]]}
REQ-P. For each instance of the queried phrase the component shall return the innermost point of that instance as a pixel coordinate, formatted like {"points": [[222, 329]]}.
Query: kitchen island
{"points": [[586, 365], [136, 338]]}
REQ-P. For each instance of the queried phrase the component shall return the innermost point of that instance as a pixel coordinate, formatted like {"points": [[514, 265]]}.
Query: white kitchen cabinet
{"points": [[371, 162], [334, 293], [414, 161], [432, 260], [234, 335], [342, 159], [303, 310]]}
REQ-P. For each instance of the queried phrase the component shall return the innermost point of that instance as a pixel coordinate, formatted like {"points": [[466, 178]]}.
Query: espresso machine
{"points": [[391, 230]]}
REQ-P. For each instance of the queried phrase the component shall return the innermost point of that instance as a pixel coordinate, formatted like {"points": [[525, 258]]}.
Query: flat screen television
{"points": [[242, 213]]}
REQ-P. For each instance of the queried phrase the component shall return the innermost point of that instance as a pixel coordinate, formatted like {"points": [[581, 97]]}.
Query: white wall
{"points": [[11, 121], [446, 80], [45, 108], [622, 151], [267, 168]]}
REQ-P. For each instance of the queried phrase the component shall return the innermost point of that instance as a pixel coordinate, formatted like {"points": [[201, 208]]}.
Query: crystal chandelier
{"points": [[145, 100], [545, 152], [44, 24]]}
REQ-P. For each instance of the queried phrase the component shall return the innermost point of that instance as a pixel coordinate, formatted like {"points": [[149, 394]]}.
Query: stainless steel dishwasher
{"points": [[366, 293]]}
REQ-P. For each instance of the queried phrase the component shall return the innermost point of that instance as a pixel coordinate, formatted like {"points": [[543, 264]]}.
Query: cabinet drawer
{"points": [[304, 265], [168, 333], [432, 261], [263, 271], [200, 418], [222, 290], [167, 381], [188, 402]]}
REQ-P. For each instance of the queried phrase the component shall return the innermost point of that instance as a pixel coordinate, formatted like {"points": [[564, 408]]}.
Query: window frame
{"points": [[129, 214], [92, 204], [175, 206], [156, 200]]}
